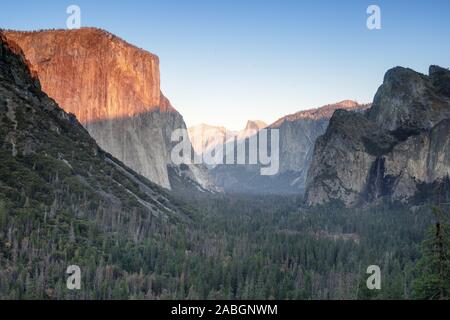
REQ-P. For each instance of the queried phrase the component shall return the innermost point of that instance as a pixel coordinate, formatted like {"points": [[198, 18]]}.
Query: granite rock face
{"points": [[298, 133], [44, 152], [114, 90], [390, 150]]}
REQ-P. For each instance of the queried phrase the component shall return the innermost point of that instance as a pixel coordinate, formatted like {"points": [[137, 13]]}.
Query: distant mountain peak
{"points": [[325, 112], [255, 125]]}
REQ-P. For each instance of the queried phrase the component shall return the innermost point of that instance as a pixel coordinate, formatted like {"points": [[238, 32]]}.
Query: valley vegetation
{"points": [[64, 201], [233, 247]]}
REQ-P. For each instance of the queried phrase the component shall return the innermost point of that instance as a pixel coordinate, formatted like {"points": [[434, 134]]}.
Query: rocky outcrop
{"points": [[298, 133], [389, 151], [114, 90], [50, 165]]}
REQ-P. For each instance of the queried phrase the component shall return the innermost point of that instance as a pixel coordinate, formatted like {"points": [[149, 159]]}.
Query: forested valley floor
{"points": [[227, 247]]}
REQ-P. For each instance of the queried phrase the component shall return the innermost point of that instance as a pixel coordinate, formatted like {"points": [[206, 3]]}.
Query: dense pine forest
{"points": [[234, 247]]}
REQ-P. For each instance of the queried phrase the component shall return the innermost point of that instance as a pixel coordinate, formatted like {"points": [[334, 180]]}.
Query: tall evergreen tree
{"points": [[434, 266]]}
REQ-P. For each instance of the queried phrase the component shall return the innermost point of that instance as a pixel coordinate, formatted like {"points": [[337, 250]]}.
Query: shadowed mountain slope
{"points": [[298, 133], [113, 88], [397, 149]]}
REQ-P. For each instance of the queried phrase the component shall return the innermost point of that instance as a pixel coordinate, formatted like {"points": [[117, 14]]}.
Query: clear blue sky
{"points": [[226, 61]]}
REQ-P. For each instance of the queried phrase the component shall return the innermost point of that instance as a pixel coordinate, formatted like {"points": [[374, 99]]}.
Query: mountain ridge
{"points": [[325, 111], [49, 148], [113, 88], [205, 137], [390, 150], [298, 133]]}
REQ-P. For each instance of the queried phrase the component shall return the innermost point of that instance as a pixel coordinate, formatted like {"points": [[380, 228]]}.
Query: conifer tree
{"points": [[434, 266]]}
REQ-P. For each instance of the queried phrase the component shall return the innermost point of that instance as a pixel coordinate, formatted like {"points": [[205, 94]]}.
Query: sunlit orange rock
{"points": [[94, 74], [113, 88]]}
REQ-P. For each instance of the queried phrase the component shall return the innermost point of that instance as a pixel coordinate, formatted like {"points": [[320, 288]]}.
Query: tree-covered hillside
{"points": [[63, 201]]}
